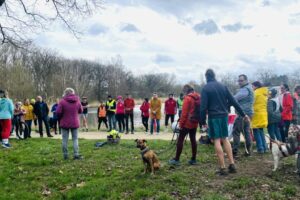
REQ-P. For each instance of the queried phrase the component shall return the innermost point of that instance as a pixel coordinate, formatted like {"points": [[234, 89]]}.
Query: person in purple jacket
{"points": [[68, 111]]}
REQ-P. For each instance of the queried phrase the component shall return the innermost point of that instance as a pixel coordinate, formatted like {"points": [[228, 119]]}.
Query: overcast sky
{"points": [[185, 37]]}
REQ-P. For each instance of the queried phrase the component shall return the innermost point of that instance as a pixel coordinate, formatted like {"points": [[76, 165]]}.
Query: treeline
{"points": [[36, 71]]}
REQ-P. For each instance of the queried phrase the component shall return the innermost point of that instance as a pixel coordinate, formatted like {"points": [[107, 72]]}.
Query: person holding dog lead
{"points": [[245, 98], [215, 101], [188, 123]]}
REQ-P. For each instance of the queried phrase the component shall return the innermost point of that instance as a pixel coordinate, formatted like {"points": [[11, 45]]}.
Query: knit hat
{"points": [[119, 97], [32, 101]]}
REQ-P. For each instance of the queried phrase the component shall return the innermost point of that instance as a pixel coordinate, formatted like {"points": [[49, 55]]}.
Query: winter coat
{"points": [[287, 107], [155, 108], [68, 111], [29, 115], [120, 108], [260, 116], [245, 98], [170, 106], [145, 109], [274, 115], [6, 108], [129, 105], [41, 109], [188, 109], [216, 100]]}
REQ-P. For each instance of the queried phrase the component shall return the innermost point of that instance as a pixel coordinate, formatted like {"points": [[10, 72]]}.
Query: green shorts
{"points": [[218, 127]]}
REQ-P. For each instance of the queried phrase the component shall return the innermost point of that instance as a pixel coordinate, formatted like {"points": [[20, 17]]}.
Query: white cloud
{"points": [[162, 36]]}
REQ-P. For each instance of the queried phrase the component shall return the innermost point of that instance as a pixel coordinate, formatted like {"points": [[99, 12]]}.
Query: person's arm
{"points": [[185, 112], [11, 108], [289, 103], [203, 107], [115, 105], [233, 102], [47, 109], [80, 108]]}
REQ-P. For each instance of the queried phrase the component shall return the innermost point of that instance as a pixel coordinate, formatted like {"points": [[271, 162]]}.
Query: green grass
{"points": [[34, 169]]}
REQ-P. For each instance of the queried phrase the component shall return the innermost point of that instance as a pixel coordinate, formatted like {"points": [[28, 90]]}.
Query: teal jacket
{"points": [[6, 108]]}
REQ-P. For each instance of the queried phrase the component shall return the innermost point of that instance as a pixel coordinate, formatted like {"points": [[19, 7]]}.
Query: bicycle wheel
{"points": [[22, 130]]}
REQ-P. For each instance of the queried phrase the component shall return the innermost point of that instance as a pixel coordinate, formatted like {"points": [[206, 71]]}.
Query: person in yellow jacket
{"points": [[155, 113], [260, 116], [29, 116], [102, 115]]}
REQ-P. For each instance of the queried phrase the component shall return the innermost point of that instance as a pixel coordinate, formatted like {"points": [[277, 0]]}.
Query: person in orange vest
{"points": [[102, 115]]}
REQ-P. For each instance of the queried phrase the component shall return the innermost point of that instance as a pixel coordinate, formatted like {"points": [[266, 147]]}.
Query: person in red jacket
{"points": [[286, 111], [129, 106], [145, 113], [170, 109], [187, 124]]}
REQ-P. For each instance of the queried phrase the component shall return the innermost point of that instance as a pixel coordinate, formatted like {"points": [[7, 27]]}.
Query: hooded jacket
{"points": [[170, 106], [287, 107], [145, 109], [6, 108], [188, 109], [155, 108], [260, 116], [68, 111], [129, 105]]}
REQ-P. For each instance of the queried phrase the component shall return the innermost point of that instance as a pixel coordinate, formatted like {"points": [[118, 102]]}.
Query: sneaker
{"points": [[79, 157], [7, 145], [66, 157], [231, 168], [157, 133], [192, 162], [174, 162], [222, 172], [132, 132], [49, 135]]}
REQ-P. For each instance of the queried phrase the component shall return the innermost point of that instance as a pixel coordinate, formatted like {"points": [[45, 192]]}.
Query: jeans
{"points": [[46, 122], [111, 121], [157, 125], [241, 126], [127, 116], [28, 122], [273, 131], [65, 138], [261, 143]]}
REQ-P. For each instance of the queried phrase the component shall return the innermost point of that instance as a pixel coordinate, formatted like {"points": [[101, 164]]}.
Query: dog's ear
{"points": [[136, 140], [144, 140]]}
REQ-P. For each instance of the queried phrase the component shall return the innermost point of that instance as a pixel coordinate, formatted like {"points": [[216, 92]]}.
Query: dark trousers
{"points": [[241, 126], [100, 120], [55, 125], [121, 123], [284, 129], [127, 116], [46, 122], [180, 141], [167, 119], [28, 122], [145, 122]]}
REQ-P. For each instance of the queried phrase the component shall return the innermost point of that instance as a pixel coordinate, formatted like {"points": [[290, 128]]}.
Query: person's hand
{"points": [[246, 118]]}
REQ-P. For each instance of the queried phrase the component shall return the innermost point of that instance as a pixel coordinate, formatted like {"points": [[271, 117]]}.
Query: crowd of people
{"points": [[257, 108]]}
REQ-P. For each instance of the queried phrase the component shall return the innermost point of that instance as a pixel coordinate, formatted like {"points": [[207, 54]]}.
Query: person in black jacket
{"points": [[216, 101], [41, 110]]}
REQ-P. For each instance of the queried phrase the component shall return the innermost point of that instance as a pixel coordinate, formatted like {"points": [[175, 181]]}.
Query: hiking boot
{"points": [[231, 168], [49, 135], [66, 157], [174, 162], [192, 162], [222, 172], [6, 145]]}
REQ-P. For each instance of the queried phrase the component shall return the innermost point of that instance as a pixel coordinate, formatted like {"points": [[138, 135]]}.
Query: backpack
{"points": [[194, 117]]}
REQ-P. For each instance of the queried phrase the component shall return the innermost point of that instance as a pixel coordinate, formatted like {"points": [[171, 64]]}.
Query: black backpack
{"points": [[195, 116]]}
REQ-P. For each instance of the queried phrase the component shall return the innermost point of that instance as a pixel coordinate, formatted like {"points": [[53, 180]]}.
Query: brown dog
{"points": [[150, 159]]}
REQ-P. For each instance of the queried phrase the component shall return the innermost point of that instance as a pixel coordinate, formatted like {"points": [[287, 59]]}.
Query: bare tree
{"points": [[19, 18]]}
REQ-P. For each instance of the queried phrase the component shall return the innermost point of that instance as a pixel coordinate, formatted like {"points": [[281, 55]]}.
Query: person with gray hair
{"points": [[68, 111]]}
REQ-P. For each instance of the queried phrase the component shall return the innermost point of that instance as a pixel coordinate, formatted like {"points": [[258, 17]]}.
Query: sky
{"points": [[185, 37]]}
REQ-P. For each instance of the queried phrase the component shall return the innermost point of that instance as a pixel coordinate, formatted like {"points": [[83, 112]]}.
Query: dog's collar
{"points": [[144, 151]]}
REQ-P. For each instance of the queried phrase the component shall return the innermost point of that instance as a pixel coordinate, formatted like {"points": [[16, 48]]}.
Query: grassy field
{"points": [[34, 169]]}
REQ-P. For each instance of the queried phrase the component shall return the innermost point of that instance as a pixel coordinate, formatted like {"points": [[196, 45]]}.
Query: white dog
{"points": [[287, 149]]}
